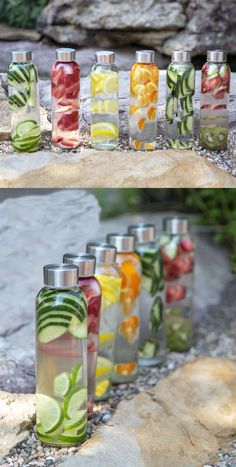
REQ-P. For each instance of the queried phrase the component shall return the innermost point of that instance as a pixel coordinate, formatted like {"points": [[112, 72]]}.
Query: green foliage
{"points": [[21, 13]]}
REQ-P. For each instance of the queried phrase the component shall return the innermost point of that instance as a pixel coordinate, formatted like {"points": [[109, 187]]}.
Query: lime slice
{"points": [[101, 388], [49, 413], [71, 437], [78, 329], [76, 374], [77, 422], [106, 339], [106, 129], [25, 127], [104, 366], [74, 400], [62, 384]]}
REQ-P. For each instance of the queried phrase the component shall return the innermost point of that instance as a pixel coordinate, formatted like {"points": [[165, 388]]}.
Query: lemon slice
{"points": [[106, 338], [104, 367], [102, 129], [101, 388], [111, 84], [96, 80], [110, 106]]}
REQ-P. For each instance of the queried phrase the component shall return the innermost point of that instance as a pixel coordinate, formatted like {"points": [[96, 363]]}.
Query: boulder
{"points": [[182, 421], [160, 25], [35, 231], [17, 418], [9, 33]]}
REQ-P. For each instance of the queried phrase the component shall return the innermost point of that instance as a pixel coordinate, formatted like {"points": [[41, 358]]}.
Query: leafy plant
{"points": [[21, 13]]}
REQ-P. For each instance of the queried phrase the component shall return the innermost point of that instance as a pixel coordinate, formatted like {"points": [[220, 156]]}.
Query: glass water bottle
{"points": [[143, 102], [104, 80], [214, 114], [61, 358], [127, 335], [178, 254], [180, 85], [65, 89], [109, 278], [23, 101], [93, 293], [152, 339]]}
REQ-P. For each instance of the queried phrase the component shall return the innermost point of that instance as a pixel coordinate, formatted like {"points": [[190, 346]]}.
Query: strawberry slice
{"points": [[187, 244], [69, 121], [175, 292], [58, 91], [70, 143], [57, 139]]}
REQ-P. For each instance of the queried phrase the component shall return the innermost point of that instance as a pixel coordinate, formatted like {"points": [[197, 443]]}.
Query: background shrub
{"points": [[21, 13]]}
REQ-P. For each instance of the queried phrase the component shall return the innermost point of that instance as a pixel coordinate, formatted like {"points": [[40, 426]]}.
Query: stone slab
{"points": [[16, 419], [9, 33], [182, 422], [95, 169]]}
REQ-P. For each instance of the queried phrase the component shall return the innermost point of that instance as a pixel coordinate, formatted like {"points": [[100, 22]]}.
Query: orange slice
{"points": [[144, 101], [137, 144], [150, 146], [133, 109], [154, 96], [131, 282], [152, 113], [141, 123], [151, 87], [126, 368], [129, 328]]}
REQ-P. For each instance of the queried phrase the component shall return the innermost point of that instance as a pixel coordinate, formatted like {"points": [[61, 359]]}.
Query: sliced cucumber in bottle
{"points": [[150, 349], [156, 315], [17, 101], [170, 109], [18, 75]]}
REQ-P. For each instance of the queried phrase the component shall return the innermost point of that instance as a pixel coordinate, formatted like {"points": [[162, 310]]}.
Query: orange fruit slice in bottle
{"points": [[126, 368], [129, 328], [141, 123], [131, 281]]}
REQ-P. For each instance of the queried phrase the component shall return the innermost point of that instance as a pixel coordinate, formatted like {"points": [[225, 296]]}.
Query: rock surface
{"points": [[159, 24], [17, 417], [94, 169], [16, 34], [35, 230], [181, 422]]}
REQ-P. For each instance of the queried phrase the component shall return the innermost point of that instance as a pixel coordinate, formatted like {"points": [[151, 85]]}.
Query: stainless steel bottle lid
{"points": [[61, 275], [176, 225], [66, 55], [144, 233], [103, 252], [124, 243], [216, 56], [105, 57], [21, 56], [145, 56], [181, 56], [85, 262]]}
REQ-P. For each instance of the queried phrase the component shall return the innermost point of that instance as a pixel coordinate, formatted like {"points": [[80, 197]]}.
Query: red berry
{"points": [[187, 244], [175, 293]]}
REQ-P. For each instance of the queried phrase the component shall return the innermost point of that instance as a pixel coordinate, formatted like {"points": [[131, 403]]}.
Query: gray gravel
{"points": [[216, 338]]}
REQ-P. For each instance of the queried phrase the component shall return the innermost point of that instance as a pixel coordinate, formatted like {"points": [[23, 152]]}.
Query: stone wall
{"points": [[163, 25]]}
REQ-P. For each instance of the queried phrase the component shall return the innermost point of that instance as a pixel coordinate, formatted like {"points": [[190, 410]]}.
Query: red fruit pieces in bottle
{"points": [[187, 244], [69, 121], [57, 80], [175, 293]]}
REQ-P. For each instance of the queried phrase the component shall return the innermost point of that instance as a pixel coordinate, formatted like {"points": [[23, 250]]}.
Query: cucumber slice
{"points": [[78, 329], [51, 332], [190, 80], [150, 349], [156, 315], [17, 101], [170, 109], [25, 127], [18, 75], [172, 76]]}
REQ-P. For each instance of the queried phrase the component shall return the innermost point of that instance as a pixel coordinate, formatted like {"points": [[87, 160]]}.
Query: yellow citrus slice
{"points": [[150, 146], [97, 85], [104, 367], [106, 338], [104, 129], [111, 288], [110, 106], [101, 388], [111, 83]]}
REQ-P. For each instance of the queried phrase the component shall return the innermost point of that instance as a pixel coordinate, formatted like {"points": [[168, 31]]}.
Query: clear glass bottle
{"points": [[214, 113], [127, 334], [152, 338], [104, 80], [65, 89], [93, 293], [144, 78], [23, 101], [180, 84], [109, 278], [61, 358], [178, 251]]}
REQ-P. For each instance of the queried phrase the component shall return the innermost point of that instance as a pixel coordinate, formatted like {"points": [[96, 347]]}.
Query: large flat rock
{"points": [[103, 169], [181, 422]]}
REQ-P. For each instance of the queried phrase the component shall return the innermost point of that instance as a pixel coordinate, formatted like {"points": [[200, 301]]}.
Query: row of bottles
{"points": [[104, 79], [101, 314]]}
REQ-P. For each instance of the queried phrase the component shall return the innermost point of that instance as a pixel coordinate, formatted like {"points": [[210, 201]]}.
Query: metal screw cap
{"points": [[61, 275], [145, 56], [216, 56], [103, 252], [85, 262], [144, 233], [181, 56], [124, 243], [66, 55], [176, 225], [105, 57], [21, 56]]}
